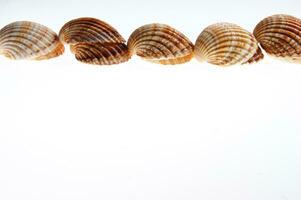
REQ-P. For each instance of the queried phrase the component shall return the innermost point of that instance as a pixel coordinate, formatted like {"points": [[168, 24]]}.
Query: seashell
{"points": [[88, 29], [93, 41], [160, 43], [227, 44], [100, 53], [280, 36], [29, 40]]}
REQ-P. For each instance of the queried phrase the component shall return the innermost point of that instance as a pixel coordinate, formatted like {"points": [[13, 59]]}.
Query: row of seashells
{"points": [[93, 41]]}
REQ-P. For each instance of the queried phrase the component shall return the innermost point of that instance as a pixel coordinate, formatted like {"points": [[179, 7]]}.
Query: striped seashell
{"points": [[88, 29], [227, 44], [100, 53], [280, 36], [93, 41], [160, 43], [29, 40]]}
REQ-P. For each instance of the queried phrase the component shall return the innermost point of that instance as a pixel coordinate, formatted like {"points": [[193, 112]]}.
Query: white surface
{"points": [[143, 131]]}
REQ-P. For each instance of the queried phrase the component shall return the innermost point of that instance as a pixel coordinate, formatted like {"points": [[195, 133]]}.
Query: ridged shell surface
{"points": [[94, 41], [160, 43], [88, 29], [280, 36], [101, 54], [227, 44], [258, 56], [29, 40]]}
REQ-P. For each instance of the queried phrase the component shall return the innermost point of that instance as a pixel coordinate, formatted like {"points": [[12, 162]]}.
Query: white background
{"points": [[144, 131]]}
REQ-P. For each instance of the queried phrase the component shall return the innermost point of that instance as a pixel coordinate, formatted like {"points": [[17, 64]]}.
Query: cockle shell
{"points": [[29, 40], [94, 42], [280, 36], [227, 44], [100, 53], [160, 43]]}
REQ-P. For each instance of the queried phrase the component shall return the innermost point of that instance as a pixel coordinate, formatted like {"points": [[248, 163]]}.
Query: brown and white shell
{"points": [[280, 36], [29, 40], [93, 41], [160, 43], [227, 44], [100, 53]]}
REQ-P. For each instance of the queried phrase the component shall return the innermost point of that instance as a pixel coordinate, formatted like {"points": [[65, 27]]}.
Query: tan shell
{"points": [[160, 43], [29, 40], [100, 53], [88, 29], [94, 42], [280, 36], [227, 44]]}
